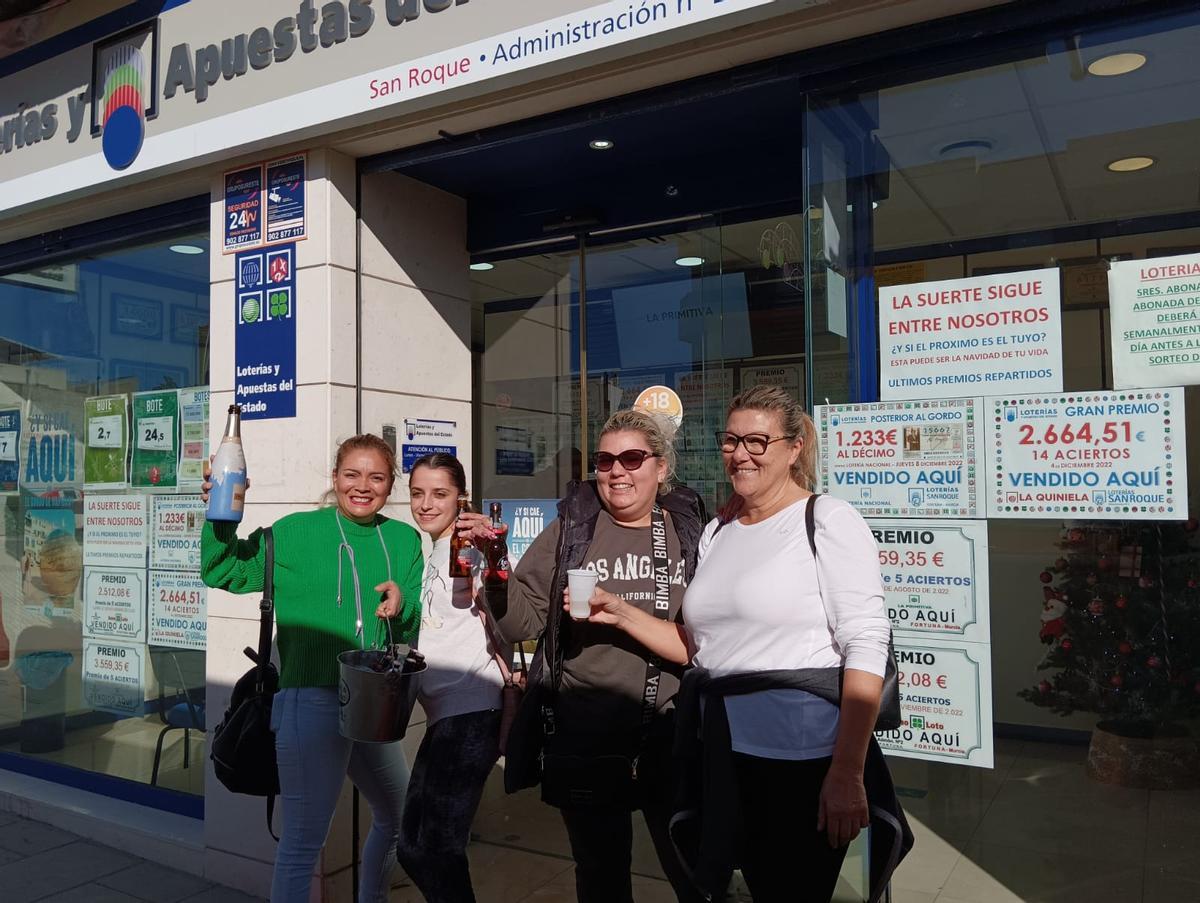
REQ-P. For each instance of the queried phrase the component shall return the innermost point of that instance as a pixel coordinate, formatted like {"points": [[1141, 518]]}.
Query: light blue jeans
{"points": [[314, 760]]}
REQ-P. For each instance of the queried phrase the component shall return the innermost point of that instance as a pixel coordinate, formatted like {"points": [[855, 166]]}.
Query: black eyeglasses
{"points": [[756, 443], [631, 459]]}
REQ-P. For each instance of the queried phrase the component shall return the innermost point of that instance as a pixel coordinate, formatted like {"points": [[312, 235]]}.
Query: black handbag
{"points": [[608, 782], [889, 717], [243, 744], [526, 736]]}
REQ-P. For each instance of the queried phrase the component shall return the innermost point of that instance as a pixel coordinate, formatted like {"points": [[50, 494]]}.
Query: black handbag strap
{"points": [[810, 522], [662, 606], [266, 608]]}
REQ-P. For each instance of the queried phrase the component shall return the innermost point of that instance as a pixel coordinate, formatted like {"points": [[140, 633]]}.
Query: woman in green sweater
{"points": [[326, 562]]}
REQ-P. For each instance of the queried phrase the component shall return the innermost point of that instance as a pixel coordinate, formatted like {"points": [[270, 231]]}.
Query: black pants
{"points": [[602, 839], [453, 763], [784, 858]]}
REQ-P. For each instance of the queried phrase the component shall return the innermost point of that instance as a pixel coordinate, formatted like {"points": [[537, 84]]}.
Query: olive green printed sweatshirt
{"points": [[311, 630]]}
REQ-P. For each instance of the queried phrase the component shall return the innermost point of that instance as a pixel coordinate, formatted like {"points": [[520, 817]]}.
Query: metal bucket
{"points": [[374, 705]]}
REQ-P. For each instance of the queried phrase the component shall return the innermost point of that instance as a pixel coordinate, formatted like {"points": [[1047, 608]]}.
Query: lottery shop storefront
{"points": [[963, 234]]}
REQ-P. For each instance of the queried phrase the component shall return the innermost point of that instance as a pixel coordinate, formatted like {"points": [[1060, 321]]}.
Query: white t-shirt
{"points": [[755, 604], [462, 674]]}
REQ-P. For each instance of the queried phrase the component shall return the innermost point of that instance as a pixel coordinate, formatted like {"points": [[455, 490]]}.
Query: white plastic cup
{"points": [[582, 583]]}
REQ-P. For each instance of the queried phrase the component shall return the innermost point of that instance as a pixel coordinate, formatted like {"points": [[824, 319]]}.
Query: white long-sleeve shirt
{"points": [[462, 674], [755, 604]]}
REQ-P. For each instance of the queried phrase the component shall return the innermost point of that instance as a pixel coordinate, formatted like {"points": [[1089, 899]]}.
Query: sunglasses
{"points": [[631, 459], [756, 443]]}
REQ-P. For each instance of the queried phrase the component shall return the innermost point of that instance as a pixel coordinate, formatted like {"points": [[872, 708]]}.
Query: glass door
{"points": [[707, 311], [527, 338]]}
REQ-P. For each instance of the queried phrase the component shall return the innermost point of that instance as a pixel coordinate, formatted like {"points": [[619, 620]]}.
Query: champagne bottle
{"points": [[460, 547], [228, 495], [495, 575]]}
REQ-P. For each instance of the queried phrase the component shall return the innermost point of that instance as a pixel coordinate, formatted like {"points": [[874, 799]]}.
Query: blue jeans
{"points": [[314, 760]]}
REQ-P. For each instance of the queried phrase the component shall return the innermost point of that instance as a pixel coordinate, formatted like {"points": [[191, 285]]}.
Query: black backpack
{"points": [[243, 745]]}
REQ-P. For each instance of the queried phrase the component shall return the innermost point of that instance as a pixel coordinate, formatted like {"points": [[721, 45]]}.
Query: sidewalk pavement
{"points": [[39, 862]]}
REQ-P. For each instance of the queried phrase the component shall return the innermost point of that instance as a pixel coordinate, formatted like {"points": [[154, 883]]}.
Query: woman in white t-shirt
{"points": [[760, 602], [460, 693]]}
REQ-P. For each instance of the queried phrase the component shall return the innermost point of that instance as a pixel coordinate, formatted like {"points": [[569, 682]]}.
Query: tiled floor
{"points": [[38, 862], [1035, 829]]}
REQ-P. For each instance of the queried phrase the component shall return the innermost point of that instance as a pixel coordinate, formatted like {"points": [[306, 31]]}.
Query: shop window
{"points": [[705, 312], [104, 363], [1069, 158]]}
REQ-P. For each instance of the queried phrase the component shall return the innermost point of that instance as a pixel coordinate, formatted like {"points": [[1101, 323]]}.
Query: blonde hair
{"points": [[659, 432], [793, 421]]}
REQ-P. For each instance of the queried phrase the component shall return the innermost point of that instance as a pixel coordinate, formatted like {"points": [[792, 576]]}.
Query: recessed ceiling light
{"points": [[600, 144], [483, 267], [1130, 164], [1117, 64], [689, 261], [186, 249], [968, 147]]}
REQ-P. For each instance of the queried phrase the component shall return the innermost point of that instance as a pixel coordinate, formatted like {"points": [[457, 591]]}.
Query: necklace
{"points": [[349, 550]]}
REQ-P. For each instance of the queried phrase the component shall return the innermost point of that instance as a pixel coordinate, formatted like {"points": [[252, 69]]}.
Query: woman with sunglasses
{"points": [[786, 771], [609, 749]]}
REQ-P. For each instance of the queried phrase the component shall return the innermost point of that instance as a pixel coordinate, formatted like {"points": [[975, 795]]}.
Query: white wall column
{"points": [[416, 362], [288, 461], [416, 349]]}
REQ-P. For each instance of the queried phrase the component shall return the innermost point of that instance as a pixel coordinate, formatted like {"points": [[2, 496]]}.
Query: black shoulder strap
{"points": [[662, 605], [266, 608], [810, 522], [550, 641]]}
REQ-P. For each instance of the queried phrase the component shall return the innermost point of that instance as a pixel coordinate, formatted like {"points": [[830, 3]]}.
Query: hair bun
{"points": [[666, 424]]}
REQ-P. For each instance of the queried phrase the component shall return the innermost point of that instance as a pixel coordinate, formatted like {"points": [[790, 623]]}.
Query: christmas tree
{"points": [[1121, 617]]}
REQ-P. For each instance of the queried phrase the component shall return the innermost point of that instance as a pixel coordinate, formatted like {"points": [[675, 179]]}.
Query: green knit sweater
{"points": [[311, 629]]}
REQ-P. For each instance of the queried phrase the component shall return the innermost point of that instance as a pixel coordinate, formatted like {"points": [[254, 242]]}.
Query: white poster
{"points": [[945, 703], [1093, 455], [935, 577], [193, 429], [115, 530], [902, 459], [1155, 309], [978, 336], [705, 396], [423, 436], [175, 526], [114, 677], [633, 385], [178, 610], [789, 377], [114, 604]]}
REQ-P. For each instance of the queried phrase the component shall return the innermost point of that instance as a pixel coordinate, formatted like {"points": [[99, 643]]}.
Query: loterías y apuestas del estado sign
{"points": [[307, 30], [122, 97], [209, 79]]}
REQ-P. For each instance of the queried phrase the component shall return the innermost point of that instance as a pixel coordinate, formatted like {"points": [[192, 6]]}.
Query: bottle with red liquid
{"points": [[460, 546], [495, 574], [5, 651]]}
